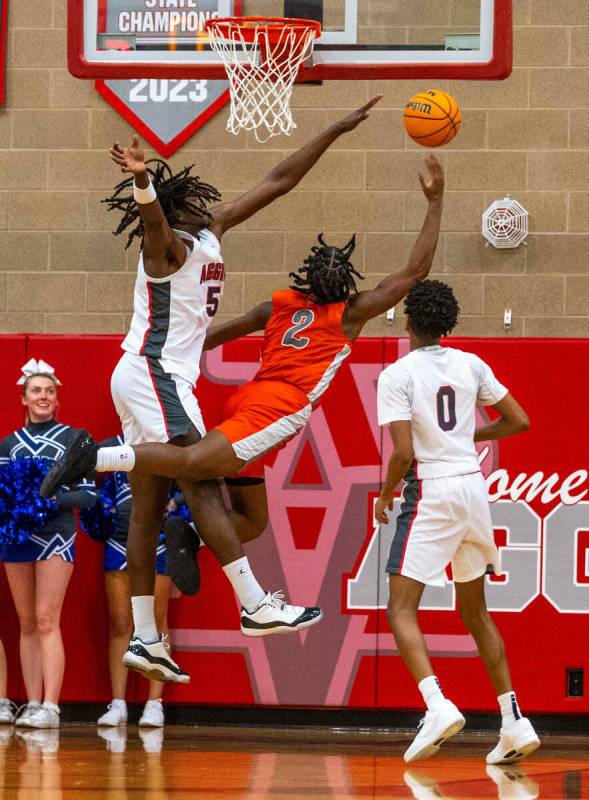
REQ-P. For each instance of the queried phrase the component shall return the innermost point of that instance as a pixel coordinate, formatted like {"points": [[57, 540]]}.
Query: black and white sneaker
{"points": [[275, 616], [182, 545], [153, 661], [78, 461]]}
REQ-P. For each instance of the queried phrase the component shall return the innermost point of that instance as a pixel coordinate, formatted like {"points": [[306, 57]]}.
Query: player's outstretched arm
{"points": [[255, 320], [285, 175], [512, 419], [163, 251], [399, 464], [366, 305]]}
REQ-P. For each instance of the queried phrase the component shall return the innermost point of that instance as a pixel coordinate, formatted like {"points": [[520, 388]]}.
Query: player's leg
{"points": [[517, 738], [420, 549], [147, 652], [249, 506], [470, 562], [262, 613], [478, 621], [442, 718], [404, 598], [118, 595], [209, 458]]}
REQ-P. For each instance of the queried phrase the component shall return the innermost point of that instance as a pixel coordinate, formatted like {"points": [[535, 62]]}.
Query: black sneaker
{"points": [[182, 545], [78, 461]]}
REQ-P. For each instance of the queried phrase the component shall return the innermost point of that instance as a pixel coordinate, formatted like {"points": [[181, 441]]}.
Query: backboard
{"points": [[361, 39]]}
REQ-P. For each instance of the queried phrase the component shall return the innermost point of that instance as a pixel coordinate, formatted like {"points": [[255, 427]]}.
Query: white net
{"points": [[262, 61], [505, 223]]}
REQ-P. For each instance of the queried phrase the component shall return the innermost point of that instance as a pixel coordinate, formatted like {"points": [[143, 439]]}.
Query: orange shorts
{"points": [[261, 416]]}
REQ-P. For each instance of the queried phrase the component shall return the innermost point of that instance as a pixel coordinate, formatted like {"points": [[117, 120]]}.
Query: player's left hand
{"points": [[359, 115], [380, 510], [129, 159], [433, 184]]}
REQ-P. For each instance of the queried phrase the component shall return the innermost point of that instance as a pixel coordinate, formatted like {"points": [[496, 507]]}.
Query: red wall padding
{"points": [[321, 546]]}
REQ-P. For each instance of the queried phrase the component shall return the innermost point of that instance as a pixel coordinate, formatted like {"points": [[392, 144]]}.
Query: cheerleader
{"points": [[39, 568], [118, 592]]}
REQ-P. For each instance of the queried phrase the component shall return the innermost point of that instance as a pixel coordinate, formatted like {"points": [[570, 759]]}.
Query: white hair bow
{"points": [[34, 367]]}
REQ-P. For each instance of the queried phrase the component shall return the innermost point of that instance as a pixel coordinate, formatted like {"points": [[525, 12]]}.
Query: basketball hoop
{"points": [[262, 57]]}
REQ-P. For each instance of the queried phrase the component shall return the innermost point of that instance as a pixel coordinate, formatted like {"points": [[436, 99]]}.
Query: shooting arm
{"points": [[285, 176], [254, 320], [369, 304], [512, 419]]}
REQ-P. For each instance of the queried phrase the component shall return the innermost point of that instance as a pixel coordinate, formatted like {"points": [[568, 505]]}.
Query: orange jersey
{"points": [[304, 343]]}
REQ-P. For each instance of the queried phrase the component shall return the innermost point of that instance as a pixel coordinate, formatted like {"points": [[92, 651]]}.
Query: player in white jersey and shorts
{"points": [[179, 221], [428, 400]]}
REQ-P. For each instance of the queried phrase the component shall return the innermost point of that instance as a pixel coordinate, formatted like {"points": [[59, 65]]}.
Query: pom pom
{"points": [[99, 521], [22, 509]]}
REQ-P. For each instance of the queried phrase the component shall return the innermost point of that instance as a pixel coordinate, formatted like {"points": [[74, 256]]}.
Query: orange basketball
{"points": [[432, 118]]}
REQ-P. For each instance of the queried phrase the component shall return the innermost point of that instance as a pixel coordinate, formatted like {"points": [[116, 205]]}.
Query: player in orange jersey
{"points": [[308, 332]]}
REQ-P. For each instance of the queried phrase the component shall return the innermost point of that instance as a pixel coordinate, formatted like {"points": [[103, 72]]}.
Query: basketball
{"points": [[432, 118]]}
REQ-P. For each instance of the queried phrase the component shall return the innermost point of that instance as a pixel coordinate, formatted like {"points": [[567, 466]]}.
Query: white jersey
{"points": [[438, 388], [171, 315]]}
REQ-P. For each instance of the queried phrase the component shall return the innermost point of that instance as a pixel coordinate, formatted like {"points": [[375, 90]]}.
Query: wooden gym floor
{"points": [[217, 763]]}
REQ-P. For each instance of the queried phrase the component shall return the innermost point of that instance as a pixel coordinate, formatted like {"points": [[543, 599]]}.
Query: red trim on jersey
{"points": [[159, 399], [410, 527], [149, 320]]}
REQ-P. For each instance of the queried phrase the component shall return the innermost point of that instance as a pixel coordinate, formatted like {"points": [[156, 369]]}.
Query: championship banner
{"points": [[3, 40], [323, 548], [165, 112]]}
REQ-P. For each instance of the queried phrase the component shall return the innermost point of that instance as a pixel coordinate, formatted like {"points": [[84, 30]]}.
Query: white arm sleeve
{"points": [[393, 398], [490, 391]]}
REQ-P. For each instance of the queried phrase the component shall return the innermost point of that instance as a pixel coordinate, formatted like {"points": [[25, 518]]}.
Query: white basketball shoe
{"points": [[434, 729], [154, 661], [273, 615], [516, 741]]}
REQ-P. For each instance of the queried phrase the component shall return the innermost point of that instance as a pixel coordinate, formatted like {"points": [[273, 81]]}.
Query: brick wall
{"points": [[61, 270]]}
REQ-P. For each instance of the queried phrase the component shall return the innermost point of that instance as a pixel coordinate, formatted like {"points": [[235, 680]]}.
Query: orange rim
{"points": [[247, 26]]}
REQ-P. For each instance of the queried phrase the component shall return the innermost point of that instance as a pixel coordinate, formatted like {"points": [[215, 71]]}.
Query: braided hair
{"points": [[327, 275], [182, 192], [432, 309]]}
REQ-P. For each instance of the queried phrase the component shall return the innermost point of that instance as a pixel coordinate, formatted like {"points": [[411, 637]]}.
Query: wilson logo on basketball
{"points": [[212, 272], [424, 108]]}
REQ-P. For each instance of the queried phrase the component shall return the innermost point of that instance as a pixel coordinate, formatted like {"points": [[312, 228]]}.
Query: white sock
{"points": [[244, 583], [510, 712], [51, 706], [144, 618], [197, 534], [432, 692], [115, 459]]}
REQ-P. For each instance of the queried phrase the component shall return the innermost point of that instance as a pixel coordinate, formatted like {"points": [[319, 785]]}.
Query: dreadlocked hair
{"points": [[182, 192], [327, 275], [432, 309]]}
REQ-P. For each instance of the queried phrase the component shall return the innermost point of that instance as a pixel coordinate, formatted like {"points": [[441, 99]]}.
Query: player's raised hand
{"points": [[380, 510], [129, 159], [356, 117], [433, 183]]}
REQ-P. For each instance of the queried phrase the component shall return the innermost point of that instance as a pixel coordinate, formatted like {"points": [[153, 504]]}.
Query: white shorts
{"points": [[443, 521], [153, 405]]}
